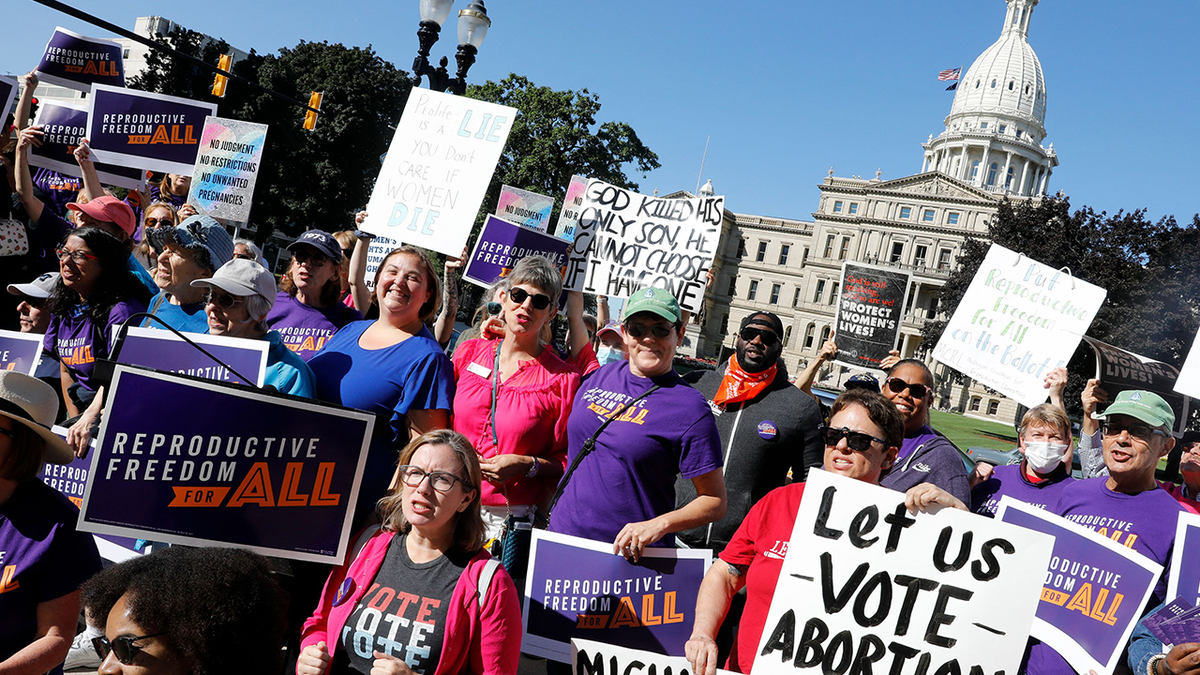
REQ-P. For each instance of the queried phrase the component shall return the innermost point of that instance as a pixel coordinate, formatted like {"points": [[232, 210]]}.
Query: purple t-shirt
{"points": [[77, 342], [42, 558], [58, 189], [306, 329], [1011, 480], [630, 476]]}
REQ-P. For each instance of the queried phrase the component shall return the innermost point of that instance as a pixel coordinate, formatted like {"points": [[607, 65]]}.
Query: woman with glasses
{"points": [[925, 456], [95, 292], [513, 397], [623, 490], [419, 594], [861, 442], [308, 309], [188, 611], [45, 558]]}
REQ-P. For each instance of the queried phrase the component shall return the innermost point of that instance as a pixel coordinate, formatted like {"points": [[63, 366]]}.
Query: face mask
{"points": [[608, 355], [1043, 456]]}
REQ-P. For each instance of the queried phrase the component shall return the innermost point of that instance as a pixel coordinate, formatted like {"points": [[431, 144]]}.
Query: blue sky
{"points": [[786, 89]]}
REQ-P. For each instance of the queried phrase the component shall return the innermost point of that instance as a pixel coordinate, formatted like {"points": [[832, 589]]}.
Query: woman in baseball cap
{"points": [[307, 310]]}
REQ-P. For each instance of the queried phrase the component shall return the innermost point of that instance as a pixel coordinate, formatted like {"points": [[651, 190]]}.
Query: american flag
{"points": [[949, 75]]}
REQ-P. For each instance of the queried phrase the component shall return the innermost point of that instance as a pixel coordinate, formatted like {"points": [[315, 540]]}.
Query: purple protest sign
{"points": [[143, 130], [1093, 593], [1184, 578], [63, 126], [20, 351], [501, 244], [577, 588], [77, 62], [8, 90], [208, 464], [163, 350]]}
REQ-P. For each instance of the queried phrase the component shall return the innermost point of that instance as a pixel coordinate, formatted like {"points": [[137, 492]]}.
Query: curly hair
{"points": [[221, 609], [116, 282], [881, 411]]}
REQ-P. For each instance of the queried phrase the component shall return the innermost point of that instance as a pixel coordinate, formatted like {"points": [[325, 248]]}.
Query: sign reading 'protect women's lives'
{"points": [[1093, 592], [577, 588], [1018, 320], [77, 62], [201, 463], [869, 313], [437, 170], [227, 168], [1121, 370], [62, 128], [143, 130], [625, 241], [866, 582]]}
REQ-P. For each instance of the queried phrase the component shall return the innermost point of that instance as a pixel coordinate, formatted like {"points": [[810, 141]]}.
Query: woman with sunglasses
{"points": [[188, 611], [158, 214], [45, 558], [95, 293], [419, 578], [513, 397], [308, 309], [925, 456], [668, 431], [861, 442]]}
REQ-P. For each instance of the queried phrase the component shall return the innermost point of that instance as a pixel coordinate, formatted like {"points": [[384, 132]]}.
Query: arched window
{"points": [[1026, 90], [824, 334], [1009, 179], [992, 170], [974, 169], [787, 335], [808, 335]]}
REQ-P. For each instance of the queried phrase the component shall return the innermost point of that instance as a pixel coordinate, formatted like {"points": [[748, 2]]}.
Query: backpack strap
{"points": [[363, 539], [485, 579], [158, 301]]}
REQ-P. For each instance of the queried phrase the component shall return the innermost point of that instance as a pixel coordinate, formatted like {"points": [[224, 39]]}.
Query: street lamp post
{"points": [[473, 24]]}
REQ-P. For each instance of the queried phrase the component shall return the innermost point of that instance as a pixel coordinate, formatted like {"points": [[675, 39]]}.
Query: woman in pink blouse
{"points": [[513, 398]]}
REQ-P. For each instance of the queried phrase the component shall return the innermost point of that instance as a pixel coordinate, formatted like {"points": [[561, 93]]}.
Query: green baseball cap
{"points": [[1143, 405], [658, 301]]}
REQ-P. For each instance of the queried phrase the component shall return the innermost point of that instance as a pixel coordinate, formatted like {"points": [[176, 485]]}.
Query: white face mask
{"points": [[607, 355], [1043, 456]]}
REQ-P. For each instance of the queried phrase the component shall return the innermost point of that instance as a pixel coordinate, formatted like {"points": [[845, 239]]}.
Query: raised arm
{"points": [[577, 329], [358, 267], [806, 378], [92, 189], [25, 104], [1056, 382], [27, 139], [443, 327]]}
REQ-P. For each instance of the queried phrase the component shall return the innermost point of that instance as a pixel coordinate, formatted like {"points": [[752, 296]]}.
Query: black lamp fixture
{"points": [[473, 24]]}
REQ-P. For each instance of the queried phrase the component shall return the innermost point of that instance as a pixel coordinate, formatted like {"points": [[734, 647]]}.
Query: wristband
{"points": [[359, 234], [1152, 664]]}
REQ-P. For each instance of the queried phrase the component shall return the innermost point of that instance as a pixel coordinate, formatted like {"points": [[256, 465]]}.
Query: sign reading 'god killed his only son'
{"points": [[62, 127], [1018, 320], [577, 588], [869, 312], [243, 473], [1092, 593], [77, 62], [625, 241], [142, 130], [437, 170], [227, 168], [866, 582]]}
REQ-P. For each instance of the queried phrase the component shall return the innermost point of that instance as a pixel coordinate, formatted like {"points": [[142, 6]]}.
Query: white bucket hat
{"points": [[31, 402]]}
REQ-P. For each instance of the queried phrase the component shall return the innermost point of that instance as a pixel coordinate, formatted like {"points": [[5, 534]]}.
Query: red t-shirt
{"points": [[761, 542]]}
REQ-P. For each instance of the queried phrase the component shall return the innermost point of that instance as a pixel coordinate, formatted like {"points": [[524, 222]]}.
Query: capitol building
{"points": [[992, 148]]}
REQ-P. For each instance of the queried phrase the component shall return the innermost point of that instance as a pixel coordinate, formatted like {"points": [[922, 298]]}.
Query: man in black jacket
{"points": [[767, 427]]}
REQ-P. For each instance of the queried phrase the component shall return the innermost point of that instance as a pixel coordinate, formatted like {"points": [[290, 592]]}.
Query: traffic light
{"points": [[310, 116], [220, 80]]}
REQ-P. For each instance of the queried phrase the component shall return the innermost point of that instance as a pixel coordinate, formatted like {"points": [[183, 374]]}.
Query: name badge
{"points": [[482, 371]]}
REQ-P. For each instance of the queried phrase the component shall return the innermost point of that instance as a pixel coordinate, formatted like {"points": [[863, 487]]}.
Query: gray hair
{"points": [[258, 308], [254, 250], [539, 272]]}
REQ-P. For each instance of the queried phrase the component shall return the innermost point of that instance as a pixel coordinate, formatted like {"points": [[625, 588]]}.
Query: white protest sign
{"points": [[1018, 320], [568, 216], [227, 168], [865, 581], [377, 250], [437, 170], [1188, 381], [589, 657], [625, 241]]}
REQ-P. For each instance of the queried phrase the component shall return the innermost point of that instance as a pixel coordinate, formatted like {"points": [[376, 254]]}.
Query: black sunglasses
{"points": [[121, 645], [639, 330], [855, 440], [223, 300], [315, 257], [540, 301], [244, 256], [767, 337], [898, 385], [1141, 432]]}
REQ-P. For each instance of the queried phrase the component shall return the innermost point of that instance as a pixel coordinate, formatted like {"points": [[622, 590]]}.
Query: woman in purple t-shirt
{"points": [[308, 310]]}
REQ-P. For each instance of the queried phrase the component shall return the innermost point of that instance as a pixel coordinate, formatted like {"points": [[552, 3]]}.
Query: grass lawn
{"points": [[966, 432]]}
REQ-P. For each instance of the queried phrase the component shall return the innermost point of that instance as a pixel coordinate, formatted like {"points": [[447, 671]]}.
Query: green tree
{"points": [[167, 74]]}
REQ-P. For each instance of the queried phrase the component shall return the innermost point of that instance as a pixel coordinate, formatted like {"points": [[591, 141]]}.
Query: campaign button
{"points": [[344, 592], [767, 430]]}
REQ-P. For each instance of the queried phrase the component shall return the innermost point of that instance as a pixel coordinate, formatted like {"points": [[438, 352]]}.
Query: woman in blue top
{"points": [[392, 366]]}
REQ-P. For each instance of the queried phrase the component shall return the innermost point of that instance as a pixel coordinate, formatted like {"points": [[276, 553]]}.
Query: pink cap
{"points": [[110, 209]]}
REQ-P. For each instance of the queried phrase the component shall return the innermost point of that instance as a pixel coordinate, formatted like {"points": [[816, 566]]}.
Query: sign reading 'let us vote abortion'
{"points": [[77, 62], [142, 130], [625, 241], [201, 463], [866, 582], [437, 170], [1018, 320]]}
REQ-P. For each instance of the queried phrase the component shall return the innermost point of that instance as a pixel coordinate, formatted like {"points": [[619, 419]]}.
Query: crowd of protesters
{"points": [[503, 431]]}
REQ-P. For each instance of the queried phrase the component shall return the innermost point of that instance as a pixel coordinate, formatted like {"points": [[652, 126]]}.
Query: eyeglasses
{"points": [[121, 645], [312, 257], [1141, 432], [639, 330], [540, 301], [898, 385], [855, 440], [222, 300], [412, 476], [76, 256], [244, 256], [155, 222], [767, 337]]}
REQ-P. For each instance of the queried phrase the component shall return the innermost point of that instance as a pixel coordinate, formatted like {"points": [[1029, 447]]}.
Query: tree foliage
{"points": [[167, 74], [1148, 268]]}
